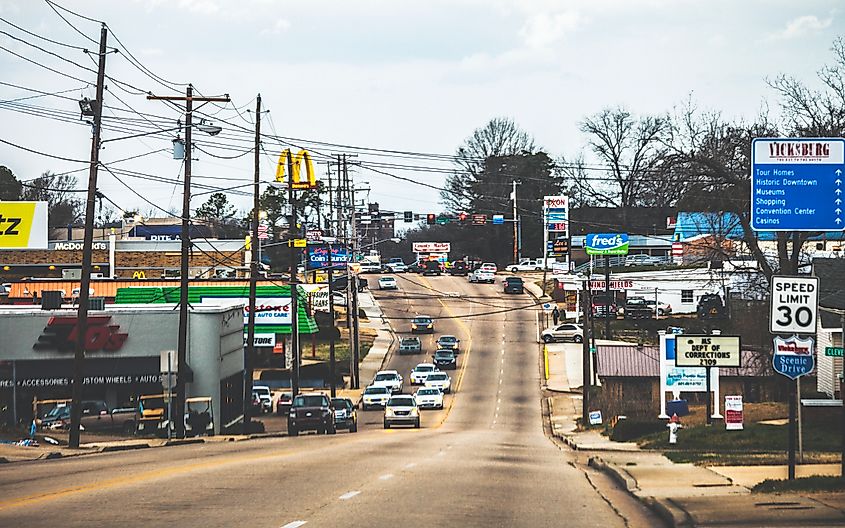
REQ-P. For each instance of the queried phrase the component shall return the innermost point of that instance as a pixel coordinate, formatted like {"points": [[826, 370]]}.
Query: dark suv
{"points": [[311, 412], [514, 285], [710, 306], [459, 267], [445, 359]]}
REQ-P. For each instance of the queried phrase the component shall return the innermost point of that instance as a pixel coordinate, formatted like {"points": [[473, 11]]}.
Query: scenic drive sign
{"points": [[707, 351], [797, 184], [793, 356], [606, 244]]}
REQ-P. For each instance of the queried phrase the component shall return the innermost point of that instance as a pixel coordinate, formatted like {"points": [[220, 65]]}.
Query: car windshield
{"points": [[448, 339], [424, 368], [310, 401], [401, 402], [514, 279], [153, 403], [422, 320], [443, 354], [341, 403], [385, 377], [428, 392], [409, 341], [375, 390], [437, 377]]}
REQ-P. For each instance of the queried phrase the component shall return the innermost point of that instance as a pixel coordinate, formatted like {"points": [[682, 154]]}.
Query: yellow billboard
{"points": [[23, 225]]}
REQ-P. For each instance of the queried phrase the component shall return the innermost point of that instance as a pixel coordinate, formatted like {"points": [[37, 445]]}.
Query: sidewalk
{"points": [[684, 494], [375, 358]]}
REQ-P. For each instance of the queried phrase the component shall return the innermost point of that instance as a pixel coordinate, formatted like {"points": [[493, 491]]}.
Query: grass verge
{"points": [[816, 483]]}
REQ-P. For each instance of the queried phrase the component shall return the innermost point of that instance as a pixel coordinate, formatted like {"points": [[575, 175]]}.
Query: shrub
{"points": [[627, 430]]}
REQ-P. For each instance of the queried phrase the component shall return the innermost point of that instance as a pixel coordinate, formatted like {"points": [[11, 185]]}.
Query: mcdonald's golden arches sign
{"points": [[296, 162]]}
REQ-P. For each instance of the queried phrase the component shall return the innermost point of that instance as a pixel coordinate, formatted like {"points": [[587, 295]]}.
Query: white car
{"points": [[481, 275], [388, 378], [563, 332], [375, 397], [429, 398], [369, 267], [401, 409], [526, 265], [489, 266], [387, 283], [265, 396], [421, 372], [397, 267], [439, 380]]}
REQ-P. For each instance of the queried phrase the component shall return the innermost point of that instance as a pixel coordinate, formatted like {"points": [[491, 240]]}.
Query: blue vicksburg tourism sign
{"points": [[793, 356], [797, 184]]}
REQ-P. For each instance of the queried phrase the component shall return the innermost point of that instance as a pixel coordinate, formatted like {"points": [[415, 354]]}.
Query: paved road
{"points": [[484, 461]]}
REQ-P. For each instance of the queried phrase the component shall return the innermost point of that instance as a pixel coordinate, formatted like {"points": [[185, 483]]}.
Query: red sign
{"points": [[614, 285], [60, 334], [677, 249]]}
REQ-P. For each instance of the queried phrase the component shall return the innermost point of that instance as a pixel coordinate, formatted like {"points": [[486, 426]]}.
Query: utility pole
{"points": [[87, 251], [607, 314], [293, 234], [585, 358], [354, 335], [515, 225], [330, 218], [183, 372], [332, 373], [249, 356]]}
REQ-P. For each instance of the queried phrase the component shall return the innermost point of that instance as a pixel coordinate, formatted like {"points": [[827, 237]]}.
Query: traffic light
{"points": [[462, 217], [409, 217], [431, 218]]}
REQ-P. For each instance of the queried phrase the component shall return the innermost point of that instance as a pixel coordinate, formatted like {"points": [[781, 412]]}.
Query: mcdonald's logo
{"points": [[296, 162]]}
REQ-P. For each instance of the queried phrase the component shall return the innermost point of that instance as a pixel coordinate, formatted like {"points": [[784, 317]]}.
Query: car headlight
{"points": [[414, 411], [388, 412], [293, 414]]}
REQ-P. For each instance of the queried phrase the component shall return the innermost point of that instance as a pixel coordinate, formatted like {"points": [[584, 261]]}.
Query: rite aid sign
{"points": [[795, 303]]}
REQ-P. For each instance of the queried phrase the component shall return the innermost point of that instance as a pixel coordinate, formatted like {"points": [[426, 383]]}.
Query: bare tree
{"points": [[61, 195], [634, 155], [501, 136]]}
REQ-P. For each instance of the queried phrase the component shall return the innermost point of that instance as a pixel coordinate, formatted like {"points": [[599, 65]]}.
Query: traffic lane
{"points": [[277, 478]]}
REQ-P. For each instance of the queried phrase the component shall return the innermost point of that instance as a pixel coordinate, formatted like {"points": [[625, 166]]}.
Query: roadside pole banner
{"points": [[23, 225]]}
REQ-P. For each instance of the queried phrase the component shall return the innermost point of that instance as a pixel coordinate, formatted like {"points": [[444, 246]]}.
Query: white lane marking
{"points": [[502, 371], [409, 466], [349, 495], [294, 524], [386, 477], [498, 401], [441, 453]]}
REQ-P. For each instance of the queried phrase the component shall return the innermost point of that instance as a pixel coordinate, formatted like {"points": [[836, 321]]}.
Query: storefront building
{"points": [[123, 358]]}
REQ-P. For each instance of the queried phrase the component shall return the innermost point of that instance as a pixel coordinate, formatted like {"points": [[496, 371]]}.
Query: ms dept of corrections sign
{"points": [[707, 351]]}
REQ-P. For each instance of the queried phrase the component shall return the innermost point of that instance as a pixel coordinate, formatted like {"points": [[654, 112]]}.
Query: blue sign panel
{"points": [[606, 244], [793, 356], [318, 256], [797, 184], [498, 219]]}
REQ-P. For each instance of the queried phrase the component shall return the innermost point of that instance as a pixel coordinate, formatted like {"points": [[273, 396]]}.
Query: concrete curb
{"points": [[620, 475], [126, 447]]}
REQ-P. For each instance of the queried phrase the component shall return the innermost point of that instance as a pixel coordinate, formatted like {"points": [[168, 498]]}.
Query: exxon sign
{"points": [[606, 244]]}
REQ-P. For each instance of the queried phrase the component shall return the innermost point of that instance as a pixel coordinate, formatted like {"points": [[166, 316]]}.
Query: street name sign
{"points": [[794, 356], [794, 305], [707, 351], [833, 351], [798, 184]]}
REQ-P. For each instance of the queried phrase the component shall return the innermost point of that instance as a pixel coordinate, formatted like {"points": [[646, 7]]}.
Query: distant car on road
{"points": [[459, 267], [445, 359], [422, 324], [514, 285], [345, 416], [489, 266], [311, 411], [266, 397], [387, 283], [429, 398], [449, 342], [283, 403], [563, 332], [481, 275], [439, 380], [370, 267], [397, 267], [410, 345], [421, 372], [432, 267], [374, 397], [388, 378], [401, 410]]}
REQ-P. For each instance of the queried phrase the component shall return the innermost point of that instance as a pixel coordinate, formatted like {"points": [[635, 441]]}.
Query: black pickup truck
{"points": [[313, 412], [636, 308]]}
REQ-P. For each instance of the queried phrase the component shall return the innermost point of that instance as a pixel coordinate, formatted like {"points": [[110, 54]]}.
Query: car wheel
{"points": [[386, 425], [548, 339], [514, 270], [577, 339], [417, 424], [293, 431], [354, 427], [332, 431]]}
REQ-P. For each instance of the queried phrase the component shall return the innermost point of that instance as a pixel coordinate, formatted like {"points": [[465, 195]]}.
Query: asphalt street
{"points": [[482, 461]]}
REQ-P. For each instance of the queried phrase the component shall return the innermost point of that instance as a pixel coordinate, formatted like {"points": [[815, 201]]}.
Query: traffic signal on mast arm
{"points": [[409, 217], [431, 218], [462, 217]]}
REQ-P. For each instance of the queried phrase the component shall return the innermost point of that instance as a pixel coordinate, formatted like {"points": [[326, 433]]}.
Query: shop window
{"points": [[172, 273], [686, 296]]}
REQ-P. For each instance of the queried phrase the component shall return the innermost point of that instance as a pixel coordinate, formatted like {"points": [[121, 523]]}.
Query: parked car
{"points": [[345, 416], [439, 380], [636, 308], [563, 332], [374, 397], [369, 267], [422, 324], [514, 285], [603, 306], [96, 417], [410, 345], [311, 411], [643, 260], [421, 372], [266, 397], [449, 342], [387, 283], [401, 410], [283, 403], [481, 275], [388, 378], [429, 398], [710, 306], [445, 359], [662, 308], [526, 265]]}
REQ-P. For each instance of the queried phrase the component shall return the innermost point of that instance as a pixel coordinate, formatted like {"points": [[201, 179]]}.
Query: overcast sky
{"points": [[404, 76]]}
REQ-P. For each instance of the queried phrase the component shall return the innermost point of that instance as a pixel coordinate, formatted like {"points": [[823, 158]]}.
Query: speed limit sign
{"points": [[795, 303]]}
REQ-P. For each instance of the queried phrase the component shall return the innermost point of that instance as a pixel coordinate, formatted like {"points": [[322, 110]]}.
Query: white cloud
{"points": [[280, 25], [543, 30], [803, 25]]}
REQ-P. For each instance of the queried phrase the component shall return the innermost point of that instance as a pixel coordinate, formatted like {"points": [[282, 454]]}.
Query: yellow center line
{"points": [[137, 479]]}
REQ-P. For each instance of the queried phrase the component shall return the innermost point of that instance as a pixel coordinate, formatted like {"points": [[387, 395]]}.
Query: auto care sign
{"points": [[733, 413], [268, 310]]}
